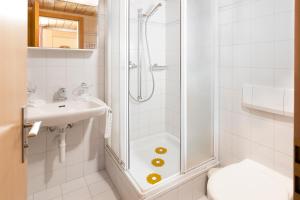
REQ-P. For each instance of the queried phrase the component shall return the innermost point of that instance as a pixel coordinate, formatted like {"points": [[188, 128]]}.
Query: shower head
{"points": [[153, 10]]}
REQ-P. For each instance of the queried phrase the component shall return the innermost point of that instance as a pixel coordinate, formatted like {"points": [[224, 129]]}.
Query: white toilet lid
{"points": [[248, 180]]}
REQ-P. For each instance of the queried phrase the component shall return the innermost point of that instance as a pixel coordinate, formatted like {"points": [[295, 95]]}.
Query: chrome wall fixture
{"points": [[143, 20]]}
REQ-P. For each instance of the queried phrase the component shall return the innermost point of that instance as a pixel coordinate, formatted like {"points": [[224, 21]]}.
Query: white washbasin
{"points": [[61, 113]]}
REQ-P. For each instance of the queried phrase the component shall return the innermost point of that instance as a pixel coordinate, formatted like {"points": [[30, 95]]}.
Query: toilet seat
{"points": [[248, 180]]}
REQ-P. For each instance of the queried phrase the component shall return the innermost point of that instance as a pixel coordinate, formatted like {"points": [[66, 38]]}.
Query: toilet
{"points": [[248, 180]]}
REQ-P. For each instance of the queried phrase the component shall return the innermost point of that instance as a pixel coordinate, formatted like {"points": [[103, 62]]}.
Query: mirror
{"points": [[62, 24]]}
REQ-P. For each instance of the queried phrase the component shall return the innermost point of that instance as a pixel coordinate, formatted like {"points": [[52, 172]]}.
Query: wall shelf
{"points": [[59, 49], [269, 99]]}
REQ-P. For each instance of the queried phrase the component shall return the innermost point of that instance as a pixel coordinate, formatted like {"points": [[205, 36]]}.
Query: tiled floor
{"points": [[96, 186]]}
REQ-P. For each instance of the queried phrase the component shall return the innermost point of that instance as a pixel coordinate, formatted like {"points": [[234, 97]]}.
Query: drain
{"points": [[153, 178], [158, 162], [161, 150]]}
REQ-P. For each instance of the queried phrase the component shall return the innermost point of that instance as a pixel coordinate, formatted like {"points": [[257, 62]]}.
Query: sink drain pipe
{"points": [[62, 145], [61, 131]]}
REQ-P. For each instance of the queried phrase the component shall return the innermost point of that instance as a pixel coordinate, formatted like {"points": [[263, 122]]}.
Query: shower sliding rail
{"points": [[139, 54]]}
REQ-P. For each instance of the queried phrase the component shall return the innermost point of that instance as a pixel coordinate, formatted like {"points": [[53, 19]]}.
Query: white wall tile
{"points": [[284, 136], [284, 5], [262, 29], [262, 132], [284, 164], [263, 77], [284, 54], [241, 125], [52, 160], [284, 78], [36, 164], [226, 77], [226, 16], [241, 32], [263, 7], [263, 55], [225, 2], [226, 34], [242, 11], [226, 56], [241, 76], [37, 144], [266, 59], [263, 155], [284, 26], [36, 183], [241, 148], [241, 55], [74, 154]]}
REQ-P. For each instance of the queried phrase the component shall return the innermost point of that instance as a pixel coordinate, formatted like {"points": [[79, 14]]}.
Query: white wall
{"points": [[256, 47], [49, 70]]}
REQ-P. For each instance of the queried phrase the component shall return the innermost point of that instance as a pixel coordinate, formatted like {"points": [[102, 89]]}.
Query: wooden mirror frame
{"points": [[33, 24]]}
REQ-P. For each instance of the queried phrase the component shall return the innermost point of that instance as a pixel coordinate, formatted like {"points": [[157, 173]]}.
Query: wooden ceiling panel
{"points": [[92, 10], [47, 4], [71, 7], [60, 5], [64, 6]]}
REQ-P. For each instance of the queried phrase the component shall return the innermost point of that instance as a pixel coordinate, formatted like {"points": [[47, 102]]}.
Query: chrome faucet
{"points": [[60, 95]]}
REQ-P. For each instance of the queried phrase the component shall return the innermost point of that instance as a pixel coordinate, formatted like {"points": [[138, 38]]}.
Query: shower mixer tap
{"points": [[132, 65]]}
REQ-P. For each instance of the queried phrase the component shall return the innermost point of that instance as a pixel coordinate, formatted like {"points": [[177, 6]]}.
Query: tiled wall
{"points": [[255, 47], [148, 117], [173, 63], [49, 70]]}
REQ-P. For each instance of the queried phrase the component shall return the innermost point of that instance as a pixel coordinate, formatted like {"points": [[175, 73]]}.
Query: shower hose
{"points": [[141, 100]]}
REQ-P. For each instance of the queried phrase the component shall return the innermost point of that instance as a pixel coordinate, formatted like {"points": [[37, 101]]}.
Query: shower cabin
{"points": [[161, 64]]}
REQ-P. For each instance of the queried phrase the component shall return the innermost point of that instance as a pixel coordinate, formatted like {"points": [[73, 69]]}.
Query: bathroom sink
{"points": [[66, 112]]}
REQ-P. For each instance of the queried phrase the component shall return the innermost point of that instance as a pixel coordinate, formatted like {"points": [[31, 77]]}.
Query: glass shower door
{"points": [[198, 76]]}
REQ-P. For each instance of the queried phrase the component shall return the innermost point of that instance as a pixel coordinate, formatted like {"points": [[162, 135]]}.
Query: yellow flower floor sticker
{"points": [[161, 150], [153, 178], [158, 162]]}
